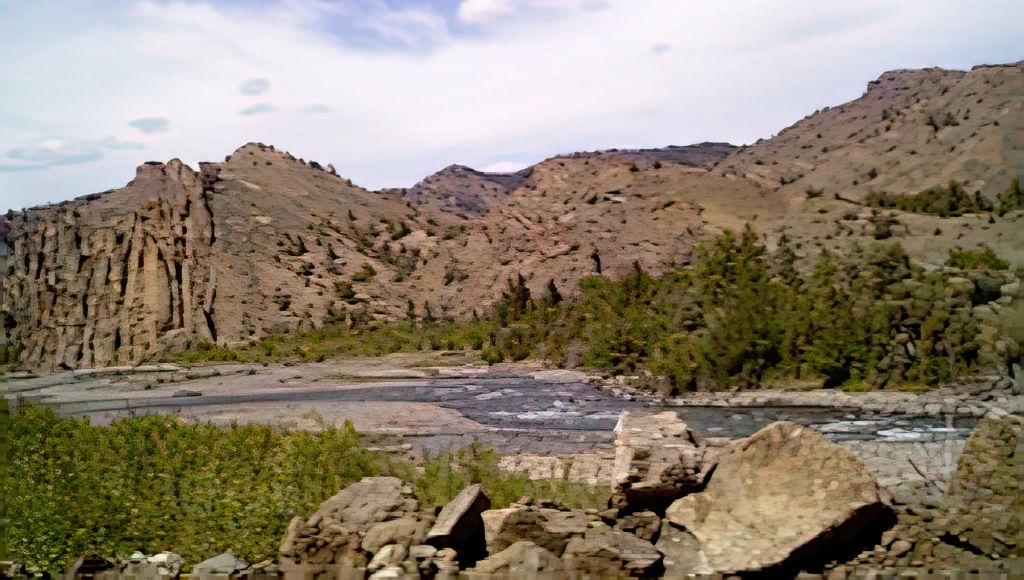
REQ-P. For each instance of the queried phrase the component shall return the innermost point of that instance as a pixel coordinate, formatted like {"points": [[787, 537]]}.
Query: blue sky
{"points": [[390, 91]]}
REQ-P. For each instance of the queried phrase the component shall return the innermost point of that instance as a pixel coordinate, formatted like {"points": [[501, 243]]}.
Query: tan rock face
{"points": [[782, 496], [354, 524], [112, 279], [657, 460], [611, 553], [518, 559], [546, 526], [985, 499]]}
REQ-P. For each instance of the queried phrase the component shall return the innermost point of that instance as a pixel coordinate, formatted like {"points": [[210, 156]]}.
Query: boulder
{"points": [[460, 526], [780, 499], [644, 525], [388, 556], [224, 563], [399, 531], [520, 558], [604, 552], [355, 523], [167, 563], [984, 501], [681, 553], [550, 528], [657, 460]]}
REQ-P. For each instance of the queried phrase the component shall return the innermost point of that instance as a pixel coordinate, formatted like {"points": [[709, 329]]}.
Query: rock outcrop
{"points": [[355, 524], [606, 553], [977, 524], [657, 460], [779, 499], [545, 524], [985, 500], [520, 559], [110, 279]]}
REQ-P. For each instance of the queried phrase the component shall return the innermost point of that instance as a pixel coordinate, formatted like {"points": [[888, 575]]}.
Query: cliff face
{"points": [[109, 279]]}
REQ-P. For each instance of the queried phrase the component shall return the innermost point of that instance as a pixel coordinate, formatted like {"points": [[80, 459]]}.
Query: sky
{"points": [[390, 91]]}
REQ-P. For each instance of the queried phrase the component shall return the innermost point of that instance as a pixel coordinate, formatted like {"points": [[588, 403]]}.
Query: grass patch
{"points": [[160, 483], [339, 340]]}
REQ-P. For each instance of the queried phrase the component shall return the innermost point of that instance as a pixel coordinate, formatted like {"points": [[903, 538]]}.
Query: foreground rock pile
{"points": [[781, 502]]}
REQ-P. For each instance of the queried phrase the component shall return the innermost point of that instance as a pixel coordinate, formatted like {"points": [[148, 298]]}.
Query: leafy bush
{"points": [[1012, 198], [948, 201], [160, 483], [983, 259], [9, 354], [365, 274]]}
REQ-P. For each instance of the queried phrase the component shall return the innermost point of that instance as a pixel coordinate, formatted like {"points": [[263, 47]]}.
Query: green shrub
{"points": [[158, 483], [983, 259], [948, 201], [365, 274], [1012, 198], [9, 354]]}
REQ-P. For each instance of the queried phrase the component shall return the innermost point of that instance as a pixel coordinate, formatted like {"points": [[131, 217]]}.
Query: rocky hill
{"points": [[458, 189], [264, 242]]}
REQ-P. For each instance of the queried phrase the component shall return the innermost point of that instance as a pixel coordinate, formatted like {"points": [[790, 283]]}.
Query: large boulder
{"points": [[984, 501], [657, 460], [354, 524], [460, 526], [603, 552], [545, 525], [780, 499], [681, 553], [520, 559]]}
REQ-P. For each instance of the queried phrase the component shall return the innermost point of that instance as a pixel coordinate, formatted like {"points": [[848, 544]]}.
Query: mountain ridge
{"points": [[264, 242]]}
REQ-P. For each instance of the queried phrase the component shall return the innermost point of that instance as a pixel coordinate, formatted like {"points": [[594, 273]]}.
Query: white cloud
{"points": [[316, 109], [150, 124], [660, 47], [484, 11], [414, 90], [259, 109], [253, 87], [56, 152], [505, 166]]}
